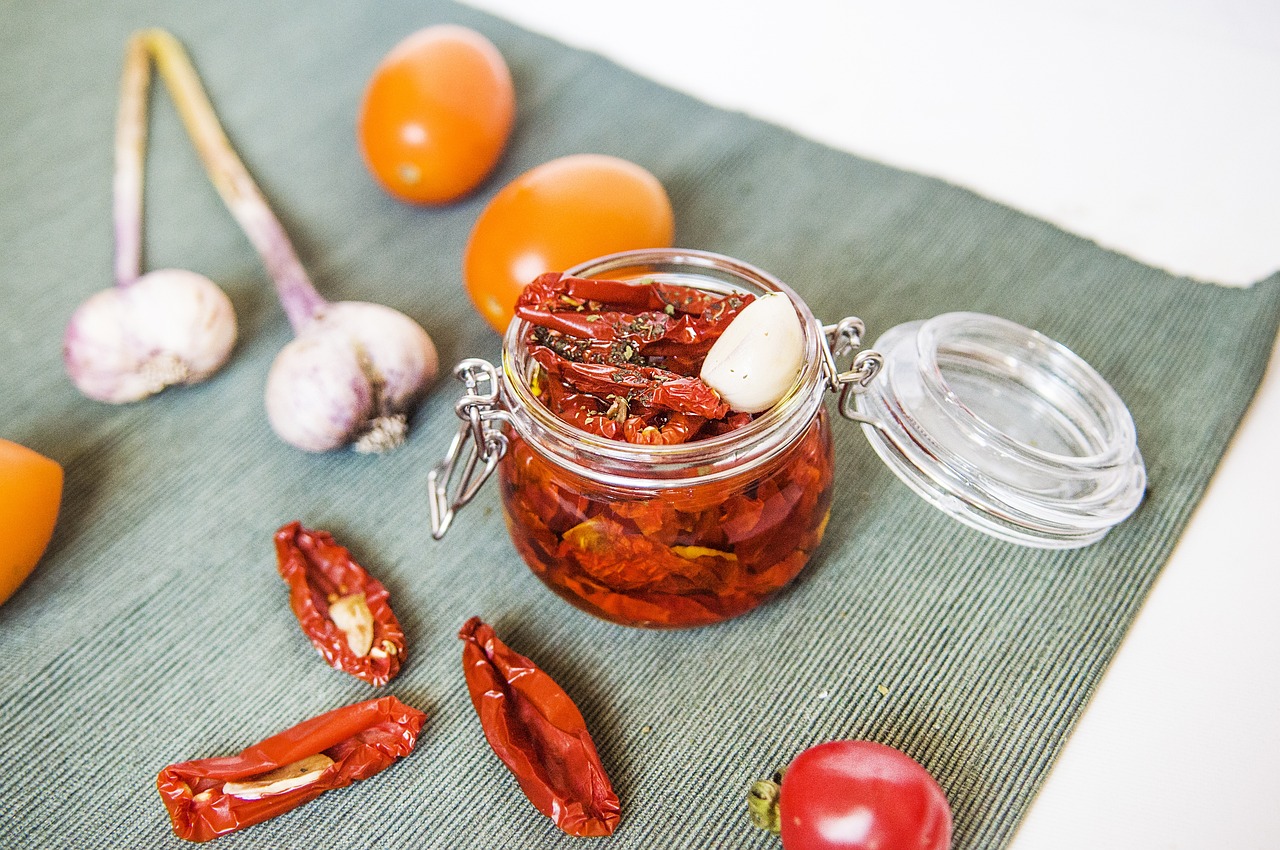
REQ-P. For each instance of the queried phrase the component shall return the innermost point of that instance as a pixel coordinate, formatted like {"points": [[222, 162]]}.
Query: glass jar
{"points": [[668, 535], [993, 423]]}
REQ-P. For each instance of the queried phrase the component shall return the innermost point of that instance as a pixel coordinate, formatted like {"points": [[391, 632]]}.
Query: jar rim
{"points": [[1114, 434], [625, 464]]}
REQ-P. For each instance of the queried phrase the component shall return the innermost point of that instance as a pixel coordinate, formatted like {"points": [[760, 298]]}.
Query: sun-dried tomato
{"points": [[654, 318], [539, 734], [210, 797], [686, 557], [557, 292], [646, 385], [639, 344], [621, 360], [342, 609]]}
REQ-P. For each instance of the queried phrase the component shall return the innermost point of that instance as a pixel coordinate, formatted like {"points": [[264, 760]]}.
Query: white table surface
{"points": [[1152, 128]]}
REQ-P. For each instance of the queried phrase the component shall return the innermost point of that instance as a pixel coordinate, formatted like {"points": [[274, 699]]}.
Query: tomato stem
{"points": [[763, 803], [298, 296]]}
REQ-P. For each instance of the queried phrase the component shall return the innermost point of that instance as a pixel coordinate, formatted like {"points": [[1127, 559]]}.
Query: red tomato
{"points": [[436, 115], [557, 215], [30, 495], [858, 795]]}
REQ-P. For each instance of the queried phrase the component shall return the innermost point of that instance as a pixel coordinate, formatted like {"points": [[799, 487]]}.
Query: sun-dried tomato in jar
{"points": [[674, 556], [630, 487]]}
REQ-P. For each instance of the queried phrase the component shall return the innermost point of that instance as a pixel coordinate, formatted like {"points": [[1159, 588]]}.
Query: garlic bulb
{"points": [[354, 370], [167, 327], [756, 360], [352, 375]]}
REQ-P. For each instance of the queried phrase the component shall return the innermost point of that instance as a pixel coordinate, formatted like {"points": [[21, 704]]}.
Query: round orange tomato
{"points": [[436, 114], [557, 215], [30, 493]]}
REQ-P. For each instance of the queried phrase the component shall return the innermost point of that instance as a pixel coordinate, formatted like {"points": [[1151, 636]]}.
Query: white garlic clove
{"points": [[168, 327], [351, 376], [756, 360]]}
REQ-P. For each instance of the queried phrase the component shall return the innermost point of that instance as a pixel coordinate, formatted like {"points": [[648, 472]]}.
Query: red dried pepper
{"points": [[210, 797], [342, 609], [539, 734]]}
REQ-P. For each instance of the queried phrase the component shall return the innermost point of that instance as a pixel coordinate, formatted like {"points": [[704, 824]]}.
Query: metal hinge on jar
{"points": [[480, 436], [841, 340]]}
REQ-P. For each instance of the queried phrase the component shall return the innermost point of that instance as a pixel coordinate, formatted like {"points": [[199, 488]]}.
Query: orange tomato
{"points": [[30, 493], [436, 115], [554, 216]]}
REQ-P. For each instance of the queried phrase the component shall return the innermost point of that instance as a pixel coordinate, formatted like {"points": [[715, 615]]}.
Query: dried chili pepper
{"points": [[539, 734], [342, 609], [210, 797]]}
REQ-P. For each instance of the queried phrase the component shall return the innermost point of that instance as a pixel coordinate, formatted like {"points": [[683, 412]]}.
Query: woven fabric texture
{"points": [[157, 630]]}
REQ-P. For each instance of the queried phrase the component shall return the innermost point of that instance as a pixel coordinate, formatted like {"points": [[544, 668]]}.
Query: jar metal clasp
{"points": [[841, 340], [479, 436]]}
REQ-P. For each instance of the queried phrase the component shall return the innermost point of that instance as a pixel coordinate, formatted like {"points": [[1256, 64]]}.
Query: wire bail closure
{"points": [[480, 434], [841, 340]]}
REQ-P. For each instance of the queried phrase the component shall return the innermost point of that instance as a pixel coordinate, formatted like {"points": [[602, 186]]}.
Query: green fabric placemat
{"points": [[157, 630]]}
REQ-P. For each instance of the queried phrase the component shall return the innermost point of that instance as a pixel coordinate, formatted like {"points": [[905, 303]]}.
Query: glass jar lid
{"points": [[1004, 429]]}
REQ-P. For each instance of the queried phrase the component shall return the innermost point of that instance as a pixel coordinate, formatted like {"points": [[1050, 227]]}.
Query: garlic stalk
{"points": [[150, 331], [355, 370]]}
